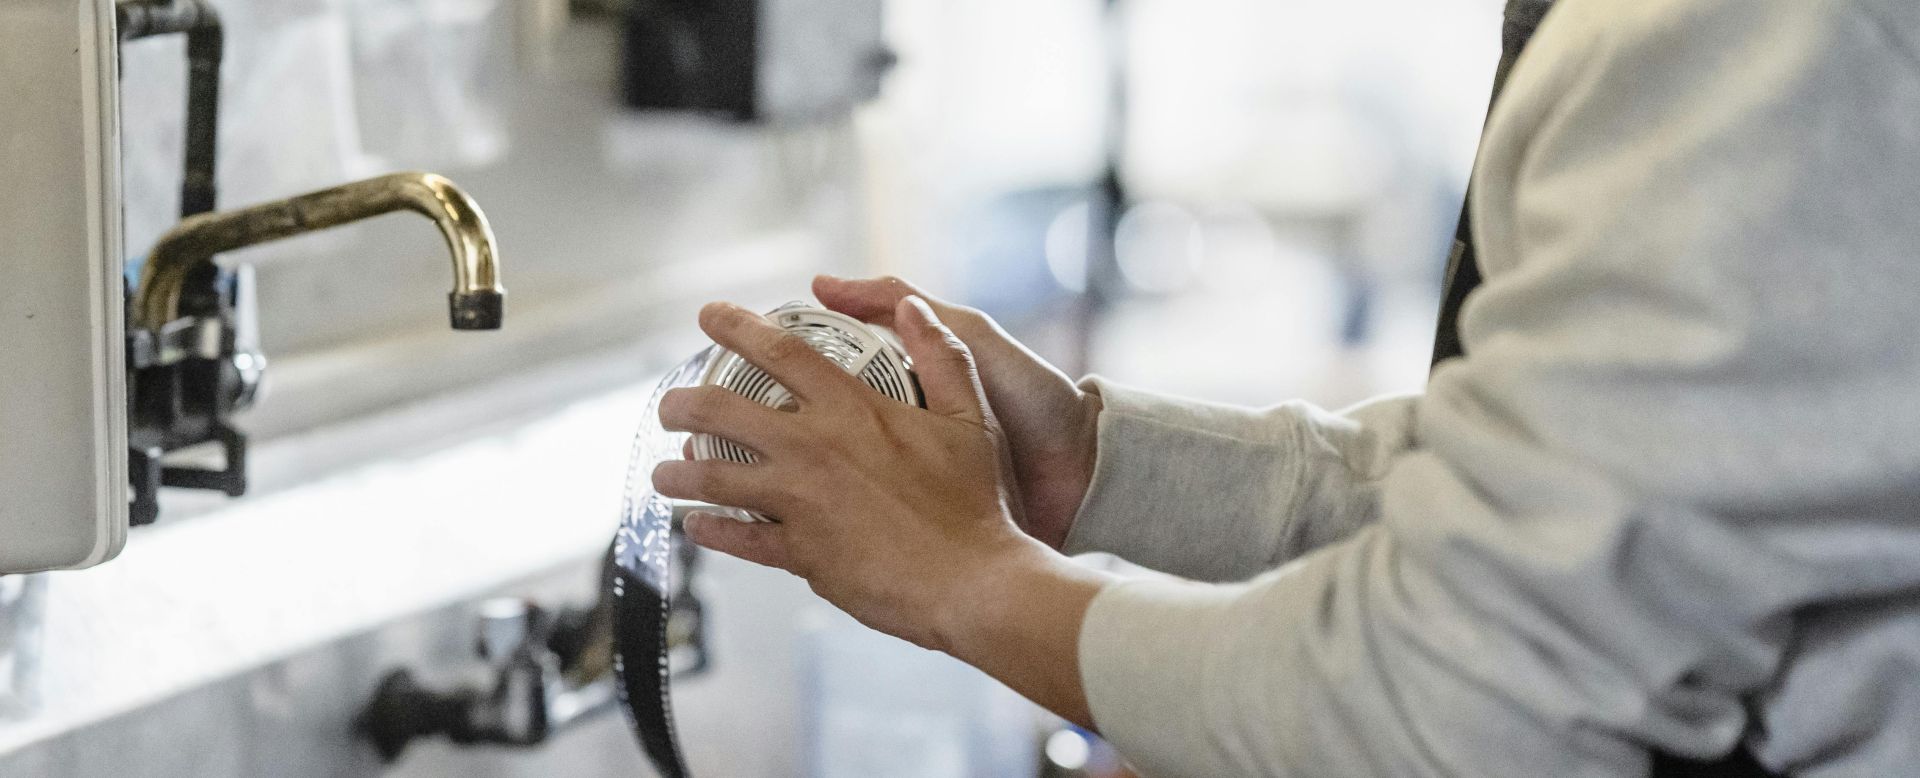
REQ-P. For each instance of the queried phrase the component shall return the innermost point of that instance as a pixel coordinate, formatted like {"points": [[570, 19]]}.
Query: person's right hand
{"points": [[1050, 425]]}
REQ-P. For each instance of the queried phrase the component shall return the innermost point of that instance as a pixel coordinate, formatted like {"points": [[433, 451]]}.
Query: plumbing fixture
{"points": [[549, 671], [192, 350], [206, 47], [477, 299], [528, 700]]}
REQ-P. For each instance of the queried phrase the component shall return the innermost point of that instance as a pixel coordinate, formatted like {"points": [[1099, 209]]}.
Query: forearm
{"points": [[1019, 619]]}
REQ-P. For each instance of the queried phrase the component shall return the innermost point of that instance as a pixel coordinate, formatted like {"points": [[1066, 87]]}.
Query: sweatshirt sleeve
{"points": [[1695, 338], [1217, 493]]}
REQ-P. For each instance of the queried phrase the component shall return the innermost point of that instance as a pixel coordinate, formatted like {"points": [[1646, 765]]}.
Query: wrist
{"points": [[1018, 618], [1020, 584]]}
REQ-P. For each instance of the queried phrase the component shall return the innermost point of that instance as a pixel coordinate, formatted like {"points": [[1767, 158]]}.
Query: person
{"points": [[1668, 500]]}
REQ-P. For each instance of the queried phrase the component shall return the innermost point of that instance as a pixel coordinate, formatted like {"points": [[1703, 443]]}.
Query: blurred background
{"points": [[1242, 200]]}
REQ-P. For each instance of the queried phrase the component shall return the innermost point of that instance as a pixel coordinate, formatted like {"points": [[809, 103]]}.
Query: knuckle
{"points": [[782, 491], [872, 418], [788, 348], [686, 480], [694, 409], [703, 406], [973, 320], [705, 478]]}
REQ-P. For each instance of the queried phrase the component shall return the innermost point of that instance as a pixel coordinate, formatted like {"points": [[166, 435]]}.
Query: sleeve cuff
{"points": [[1172, 477]]}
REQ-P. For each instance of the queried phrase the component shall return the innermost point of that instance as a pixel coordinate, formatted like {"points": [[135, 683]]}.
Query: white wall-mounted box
{"points": [[63, 480]]}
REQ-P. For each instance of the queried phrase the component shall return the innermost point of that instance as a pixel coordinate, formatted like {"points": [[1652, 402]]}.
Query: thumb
{"points": [[948, 377]]}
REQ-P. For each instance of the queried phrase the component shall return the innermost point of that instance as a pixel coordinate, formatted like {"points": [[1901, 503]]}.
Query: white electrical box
{"points": [[63, 449]]}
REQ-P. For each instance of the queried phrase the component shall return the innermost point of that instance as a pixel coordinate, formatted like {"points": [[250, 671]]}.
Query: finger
{"points": [[764, 544], [871, 300], [788, 359], [686, 449], [945, 366], [875, 300], [719, 482], [717, 410]]}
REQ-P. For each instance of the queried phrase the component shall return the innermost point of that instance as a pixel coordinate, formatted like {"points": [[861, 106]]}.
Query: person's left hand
{"points": [[896, 514]]}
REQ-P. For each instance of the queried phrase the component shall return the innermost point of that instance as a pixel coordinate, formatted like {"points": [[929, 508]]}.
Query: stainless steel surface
{"points": [[476, 297], [575, 706], [248, 361], [62, 395]]}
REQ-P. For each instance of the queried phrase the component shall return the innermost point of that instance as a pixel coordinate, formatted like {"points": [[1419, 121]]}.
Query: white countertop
{"points": [[262, 578]]}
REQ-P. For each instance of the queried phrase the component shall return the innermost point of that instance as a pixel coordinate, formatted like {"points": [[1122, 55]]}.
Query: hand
{"points": [[898, 515], [871, 494], [1050, 426]]}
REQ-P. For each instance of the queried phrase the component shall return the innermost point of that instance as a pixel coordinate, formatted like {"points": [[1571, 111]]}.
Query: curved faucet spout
{"points": [[476, 303]]}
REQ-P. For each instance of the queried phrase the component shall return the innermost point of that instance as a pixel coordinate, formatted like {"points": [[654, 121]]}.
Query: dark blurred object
{"points": [[753, 60], [528, 700], [546, 671], [206, 48]]}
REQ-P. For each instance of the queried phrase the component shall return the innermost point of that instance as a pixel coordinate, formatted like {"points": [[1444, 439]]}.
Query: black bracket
{"points": [[180, 403]]}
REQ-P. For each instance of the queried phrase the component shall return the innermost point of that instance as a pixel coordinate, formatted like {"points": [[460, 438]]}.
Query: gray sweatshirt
{"points": [[1673, 489]]}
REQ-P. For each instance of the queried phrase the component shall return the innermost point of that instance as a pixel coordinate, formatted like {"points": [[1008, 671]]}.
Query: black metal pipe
{"points": [[206, 47]]}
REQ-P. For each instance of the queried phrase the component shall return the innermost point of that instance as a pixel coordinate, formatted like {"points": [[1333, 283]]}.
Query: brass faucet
{"points": [[477, 301], [190, 371]]}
